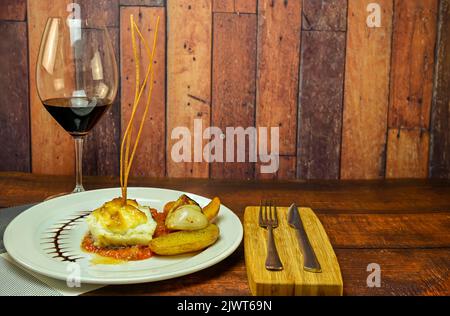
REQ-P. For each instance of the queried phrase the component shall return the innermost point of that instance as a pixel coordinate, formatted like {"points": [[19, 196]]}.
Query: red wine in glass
{"points": [[77, 115], [76, 77]]}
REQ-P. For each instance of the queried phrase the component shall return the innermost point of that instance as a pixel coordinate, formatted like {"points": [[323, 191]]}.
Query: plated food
{"points": [[127, 231], [46, 238]]}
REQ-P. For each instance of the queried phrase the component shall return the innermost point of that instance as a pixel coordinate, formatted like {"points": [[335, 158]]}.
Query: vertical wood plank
{"points": [[101, 149], [412, 63], [440, 122], [366, 91], [14, 114], [51, 147], [101, 154], [150, 156], [245, 6], [278, 63], [234, 83], [13, 10], [407, 153], [328, 15], [286, 170], [320, 109], [148, 3], [223, 6], [189, 76], [100, 12]]}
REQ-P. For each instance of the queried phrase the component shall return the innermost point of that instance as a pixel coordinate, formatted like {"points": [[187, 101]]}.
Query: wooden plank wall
{"points": [[149, 158], [189, 58], [440, 122], [233, 83], [13, 10], [351, 101], [279, 27], [14, 111], [321, 89], [104, 139], [366, 93], [52, 149], [413, 49]]}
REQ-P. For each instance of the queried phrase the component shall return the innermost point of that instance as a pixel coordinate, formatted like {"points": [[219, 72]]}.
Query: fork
{"points": [[268, 219]]}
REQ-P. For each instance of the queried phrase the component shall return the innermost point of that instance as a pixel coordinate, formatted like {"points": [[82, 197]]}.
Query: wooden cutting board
{"points": [[292, 280]]}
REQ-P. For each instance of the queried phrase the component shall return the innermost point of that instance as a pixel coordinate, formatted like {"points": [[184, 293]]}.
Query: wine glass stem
{"points": [[78, 164]]}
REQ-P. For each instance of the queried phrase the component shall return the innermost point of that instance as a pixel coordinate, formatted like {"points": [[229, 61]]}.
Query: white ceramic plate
{"points": [[28, 239]]}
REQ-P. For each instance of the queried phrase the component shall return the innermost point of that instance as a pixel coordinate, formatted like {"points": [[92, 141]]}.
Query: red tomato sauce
{"points": [[160, 219], [130, 253]]}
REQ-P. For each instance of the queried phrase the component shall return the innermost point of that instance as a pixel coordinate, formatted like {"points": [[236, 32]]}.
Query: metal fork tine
{"points": [[275, 214], [266, 222], [272, 213], [261, 214]]}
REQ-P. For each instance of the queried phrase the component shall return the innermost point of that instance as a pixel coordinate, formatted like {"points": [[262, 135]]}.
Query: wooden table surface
{"points": [[403, 225]]}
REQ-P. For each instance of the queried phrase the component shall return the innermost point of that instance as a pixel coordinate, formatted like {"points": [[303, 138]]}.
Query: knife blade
{"points": [[310, 262]]}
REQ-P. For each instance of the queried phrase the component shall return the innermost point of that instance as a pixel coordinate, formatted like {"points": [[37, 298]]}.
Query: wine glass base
{"points": [[78, 189]]}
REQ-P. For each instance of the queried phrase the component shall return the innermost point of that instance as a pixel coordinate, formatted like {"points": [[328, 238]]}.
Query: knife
{"points": [[310, 262]]}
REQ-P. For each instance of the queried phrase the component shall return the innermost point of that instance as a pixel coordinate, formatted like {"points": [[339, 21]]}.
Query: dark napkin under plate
{"points": [[6, 216]]}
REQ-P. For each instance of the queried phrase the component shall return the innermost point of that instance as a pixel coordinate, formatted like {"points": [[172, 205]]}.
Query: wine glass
{"points": [[77, 78]]}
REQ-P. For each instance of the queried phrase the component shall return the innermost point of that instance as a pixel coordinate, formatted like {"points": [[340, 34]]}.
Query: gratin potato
{"points": [[185, 241], [117, 224]]}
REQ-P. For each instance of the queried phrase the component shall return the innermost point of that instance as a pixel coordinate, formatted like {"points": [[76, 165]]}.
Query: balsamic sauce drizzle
{"points": [[58, 237]]}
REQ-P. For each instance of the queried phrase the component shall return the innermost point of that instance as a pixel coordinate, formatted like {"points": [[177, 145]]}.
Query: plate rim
{"points": [[122, 280]]}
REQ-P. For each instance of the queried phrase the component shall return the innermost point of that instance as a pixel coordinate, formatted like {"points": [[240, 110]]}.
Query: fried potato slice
{"points": [[212, 209], [185, 241]]}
